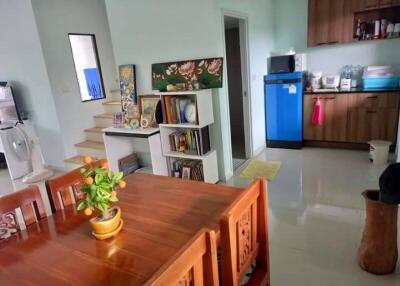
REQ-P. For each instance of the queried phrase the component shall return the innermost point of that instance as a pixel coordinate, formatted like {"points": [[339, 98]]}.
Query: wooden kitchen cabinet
{"points": [[334, 127], [317, 22], [310, 131], [373, 116], [370, 4], [335, 122], [335, 21], [388, 3], [325, 22], [377, 4], [353, 117]]}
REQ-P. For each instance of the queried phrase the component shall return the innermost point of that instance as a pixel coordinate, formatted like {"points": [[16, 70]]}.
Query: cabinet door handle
{"points": [[320, 44], [372, 97], [323, 97], [333, 42], [372, 111], [371, 6]]}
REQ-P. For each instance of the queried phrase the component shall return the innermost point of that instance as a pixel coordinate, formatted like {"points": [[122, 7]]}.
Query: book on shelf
{"points": [[174, 109], [191, 141], [195, 166]]}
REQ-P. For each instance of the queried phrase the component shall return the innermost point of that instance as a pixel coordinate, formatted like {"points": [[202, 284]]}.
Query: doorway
{"points": [[235, 29]]}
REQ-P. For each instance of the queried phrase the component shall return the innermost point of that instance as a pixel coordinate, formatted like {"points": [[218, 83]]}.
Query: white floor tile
{"points": [[317, 216]]}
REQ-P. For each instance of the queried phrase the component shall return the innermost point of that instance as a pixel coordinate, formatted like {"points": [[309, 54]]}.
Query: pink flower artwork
{"points": [[193, 74], [214, 66], [187, 68]]}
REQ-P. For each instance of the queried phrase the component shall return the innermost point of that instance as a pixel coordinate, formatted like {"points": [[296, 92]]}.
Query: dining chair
{"points": [[244, 238], [195, 264], [59, 188], [31, 204]]}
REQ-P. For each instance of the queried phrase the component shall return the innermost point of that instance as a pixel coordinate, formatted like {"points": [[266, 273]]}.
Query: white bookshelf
{"points": [[205, 116]]}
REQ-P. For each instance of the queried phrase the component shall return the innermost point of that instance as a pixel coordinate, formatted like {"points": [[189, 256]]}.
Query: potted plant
{"points": [[100, 189]]}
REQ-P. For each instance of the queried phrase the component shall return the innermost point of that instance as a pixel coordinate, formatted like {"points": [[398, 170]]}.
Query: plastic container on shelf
{"points": [[381, 77], [382, 82], [379, 151]]}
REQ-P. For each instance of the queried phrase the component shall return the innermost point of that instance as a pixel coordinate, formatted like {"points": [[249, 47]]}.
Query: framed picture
{"points": [[118, 119], [127, 82], [128, 88], [185, 173], [188, 75], [132, 114], [147, 108]]}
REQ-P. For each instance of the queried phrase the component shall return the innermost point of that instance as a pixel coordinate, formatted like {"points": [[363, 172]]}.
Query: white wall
{"points": [[146, 32], [55, 19], [22, 63], [290, 24]]}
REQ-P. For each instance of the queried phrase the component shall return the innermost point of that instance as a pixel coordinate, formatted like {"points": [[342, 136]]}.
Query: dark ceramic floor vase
{"points": [[377, 253]]}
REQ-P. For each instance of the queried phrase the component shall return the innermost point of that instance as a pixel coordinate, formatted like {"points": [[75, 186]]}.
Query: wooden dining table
{"points": [[160, 214]]}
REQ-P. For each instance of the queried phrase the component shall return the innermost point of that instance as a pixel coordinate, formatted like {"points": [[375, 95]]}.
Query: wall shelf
{"points": [[182, 125], [175, 154]]}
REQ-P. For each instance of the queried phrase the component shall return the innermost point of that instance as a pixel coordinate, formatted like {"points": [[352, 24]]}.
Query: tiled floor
{"points": [[317, 216], [237, 163]]}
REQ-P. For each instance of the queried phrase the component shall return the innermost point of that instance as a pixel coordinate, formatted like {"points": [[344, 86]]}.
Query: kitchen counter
{"points": [[354, 90]]}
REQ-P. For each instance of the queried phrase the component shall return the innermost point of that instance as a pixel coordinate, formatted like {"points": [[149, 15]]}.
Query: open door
{"points": [[237, 76]]}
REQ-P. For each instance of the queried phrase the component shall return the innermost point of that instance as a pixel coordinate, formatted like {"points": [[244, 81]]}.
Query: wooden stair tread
{"points": [[117, 102], [104, 115], [78, 159], [91, 145], [95, 130]]}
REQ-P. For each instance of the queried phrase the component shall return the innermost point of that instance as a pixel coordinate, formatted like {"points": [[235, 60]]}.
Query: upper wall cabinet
{"points": [[325, 22], [376, 4], [370, 4], [335, 21]]}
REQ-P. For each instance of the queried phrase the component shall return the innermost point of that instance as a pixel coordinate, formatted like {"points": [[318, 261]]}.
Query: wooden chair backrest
{"points": [[61, 186], [244, 237], [195, 264], [31, 204]]}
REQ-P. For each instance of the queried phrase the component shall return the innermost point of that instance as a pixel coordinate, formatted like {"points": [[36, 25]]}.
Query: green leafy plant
{"points": [[99, 187]]}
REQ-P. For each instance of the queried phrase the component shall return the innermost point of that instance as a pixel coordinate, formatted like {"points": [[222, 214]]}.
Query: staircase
{"points": [[94, 145]]}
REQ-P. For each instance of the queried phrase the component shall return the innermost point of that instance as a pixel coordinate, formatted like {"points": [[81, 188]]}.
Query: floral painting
{"points": [[127, 83], [188, 75]]}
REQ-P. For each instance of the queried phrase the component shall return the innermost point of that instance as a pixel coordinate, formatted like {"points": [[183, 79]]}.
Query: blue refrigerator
{"points": [[284, 110]]}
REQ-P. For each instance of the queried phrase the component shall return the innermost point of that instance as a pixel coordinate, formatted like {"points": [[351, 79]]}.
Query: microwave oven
{"points": [[288, 63]]}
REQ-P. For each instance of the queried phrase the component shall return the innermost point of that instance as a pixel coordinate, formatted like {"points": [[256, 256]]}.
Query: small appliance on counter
{"points": [[284, 110], [330, 82], [345, 84], [288, 63], [381, 77], [350, 76], [321, 83], [315, 80]]}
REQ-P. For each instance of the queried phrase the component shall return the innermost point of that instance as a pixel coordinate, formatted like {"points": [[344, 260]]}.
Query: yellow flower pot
{"points": [[109, 227]]}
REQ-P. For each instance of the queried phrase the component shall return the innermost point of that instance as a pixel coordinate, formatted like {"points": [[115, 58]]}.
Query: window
{"points": [[87, 66]]}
